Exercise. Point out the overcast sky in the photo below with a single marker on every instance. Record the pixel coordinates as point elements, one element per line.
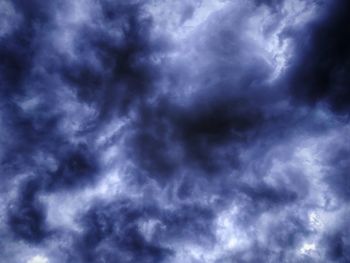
<point>193,131</point>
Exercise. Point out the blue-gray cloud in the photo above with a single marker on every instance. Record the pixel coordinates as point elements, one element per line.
<point>216,132</point>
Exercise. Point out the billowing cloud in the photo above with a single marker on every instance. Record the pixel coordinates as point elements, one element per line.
<point>161,131</point>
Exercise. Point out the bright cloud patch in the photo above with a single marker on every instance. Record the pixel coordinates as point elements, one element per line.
<point>38,259</point>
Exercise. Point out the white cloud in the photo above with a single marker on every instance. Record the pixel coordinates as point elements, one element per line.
<point>38,259</point>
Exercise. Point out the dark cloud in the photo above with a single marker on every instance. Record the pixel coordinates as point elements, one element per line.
<point>114,71</point>
<point>18,49</point>
<point>77,167</point>
<point>26,217</point>
<point>274,4</point>
<point>112,231</point>
<point>205,130</point>
<point>171,137</point>
<point>319,69</point>
<point>133,134</point>
<point>336,243</point>
<point>337,175</point>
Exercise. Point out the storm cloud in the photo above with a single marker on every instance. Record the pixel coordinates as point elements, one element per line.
<point>174,131</point>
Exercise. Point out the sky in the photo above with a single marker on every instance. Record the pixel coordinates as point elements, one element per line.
<point>187,131</point>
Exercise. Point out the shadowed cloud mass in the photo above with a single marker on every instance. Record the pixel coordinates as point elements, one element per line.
<point>196,131</point>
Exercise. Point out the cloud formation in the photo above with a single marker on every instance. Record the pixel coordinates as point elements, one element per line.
<point>154,131</point>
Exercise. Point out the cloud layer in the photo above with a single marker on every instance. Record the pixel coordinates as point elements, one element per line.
<point>161,131</point>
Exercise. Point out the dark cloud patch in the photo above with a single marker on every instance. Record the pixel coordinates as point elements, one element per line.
<point>18,50</point>
<point>170,137</point>
<point>150,142</point>
<point>337,243</point>
<point>117,69</point>
<point>208,128</point>
<point>26,217</point>
<point>28,135</point>
<point>114,232</point>
<point>34,11</point>
<point>268,2</point>
<point>76,168</point>
<point>36,143</point>
<point>268,196</point>
<point>336,249</point>
<point>338,174</point>
<point>126,231</point>
<point>319,70</point>
<point>28,129</point>
<point>188,222</point>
